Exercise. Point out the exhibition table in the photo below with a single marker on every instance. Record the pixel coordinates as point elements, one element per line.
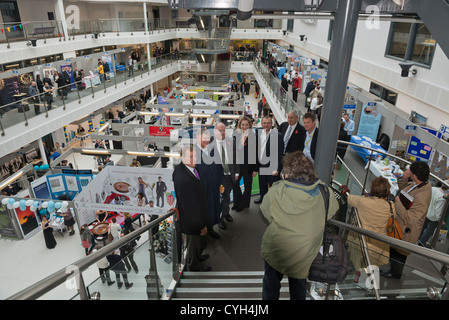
<point>57,223</point>
<point>91,80</point>
<point>369,143</point>
<point>379,169</point>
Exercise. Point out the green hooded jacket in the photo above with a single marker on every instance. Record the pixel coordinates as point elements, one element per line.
<point>296,214</point>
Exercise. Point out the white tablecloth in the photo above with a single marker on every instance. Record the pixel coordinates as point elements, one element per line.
<point>379,169</point>
<point>91,80</point>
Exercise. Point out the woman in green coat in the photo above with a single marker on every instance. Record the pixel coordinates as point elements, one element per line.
<point>294,208</point>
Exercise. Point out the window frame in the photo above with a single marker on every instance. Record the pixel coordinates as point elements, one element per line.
<point>410,46</point>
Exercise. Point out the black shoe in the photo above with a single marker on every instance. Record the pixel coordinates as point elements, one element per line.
<point>229,218</point>
<point>234,208</point>
<point>110,283</point>
<point>239,209</point>
<point>119,284</point>
<point>257,201</point>
<point>128,285</point>
<point>205,268</point>
<point>204,257</point>
<point>222,225</point>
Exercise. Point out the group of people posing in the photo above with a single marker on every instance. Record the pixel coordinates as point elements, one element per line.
<point>218,161</point>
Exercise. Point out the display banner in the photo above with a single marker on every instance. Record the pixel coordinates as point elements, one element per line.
<point>7,230</point>
<point>125,184</point>
<point>160,131</point>
<point>369,121</point>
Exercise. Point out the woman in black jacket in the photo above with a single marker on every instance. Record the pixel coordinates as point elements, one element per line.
<point>245,145</point>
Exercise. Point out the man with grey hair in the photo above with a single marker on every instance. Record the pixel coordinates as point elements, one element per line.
<point>293,133</point>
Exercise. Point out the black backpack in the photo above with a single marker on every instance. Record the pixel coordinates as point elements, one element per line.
<point>330,267</point>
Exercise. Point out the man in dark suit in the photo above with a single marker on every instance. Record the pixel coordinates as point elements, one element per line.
<point>161,187</point>
<point>210,178</point>
<point>310,86</point>
<point>292,133</point>
<point>270,148</point>
<point>311,136</point>
<point>222,155</point>
<point>192,205</point>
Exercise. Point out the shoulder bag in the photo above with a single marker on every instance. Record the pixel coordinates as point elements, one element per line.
<point>331,264</point>
<point>394,230</point>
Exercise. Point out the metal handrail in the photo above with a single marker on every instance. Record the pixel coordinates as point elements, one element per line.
<point>47,284</point>
<point>401,244</point>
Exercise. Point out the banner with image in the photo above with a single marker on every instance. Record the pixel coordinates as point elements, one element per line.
<point>126,184</point>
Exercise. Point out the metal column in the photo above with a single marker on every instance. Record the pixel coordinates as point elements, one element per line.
<point>345,26</point>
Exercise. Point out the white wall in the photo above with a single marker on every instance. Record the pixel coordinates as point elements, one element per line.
<point>426,93</point>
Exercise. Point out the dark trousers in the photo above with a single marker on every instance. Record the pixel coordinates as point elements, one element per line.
<point>265,182</point>
<point>272,285</point>
<point>242,200</point>
<point>295,94</point>
<point>159,196</point>
<point>226,200</point>
<point>129,261</point>
<point>397,262</point>
<point>124,276</point>
<point>195,246</point>
<point>104,275</point>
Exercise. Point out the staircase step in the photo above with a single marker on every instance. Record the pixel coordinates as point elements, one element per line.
<point>224,285</point>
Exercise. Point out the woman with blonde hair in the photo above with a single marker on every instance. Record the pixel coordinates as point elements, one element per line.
<point>245,159</point>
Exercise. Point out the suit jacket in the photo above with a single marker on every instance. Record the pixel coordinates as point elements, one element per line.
<point>161,187</point>
<point>246,154</point>
<point>296,141</point>
<point>267,156</point>
<point>211,176</point>
<point>190,201</point>
<point>313,143</point>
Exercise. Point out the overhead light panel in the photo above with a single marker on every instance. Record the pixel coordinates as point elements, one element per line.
<point>95,151</point>
<point>142,154</point>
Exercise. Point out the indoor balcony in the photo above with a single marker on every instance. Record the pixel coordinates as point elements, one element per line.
<point>38,38</point>
<point>20,125</point>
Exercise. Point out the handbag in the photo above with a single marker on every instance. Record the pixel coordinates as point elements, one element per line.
<point>394,230</point>
<point>331,263</point>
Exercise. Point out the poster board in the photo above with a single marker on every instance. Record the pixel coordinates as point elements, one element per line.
<point>126,183</point>
<point>419,151</point>
<point>369,121</point>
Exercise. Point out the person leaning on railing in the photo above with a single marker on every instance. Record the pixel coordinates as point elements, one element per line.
<point>374,211</point>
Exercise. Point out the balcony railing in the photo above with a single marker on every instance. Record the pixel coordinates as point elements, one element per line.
<point>24,107</point>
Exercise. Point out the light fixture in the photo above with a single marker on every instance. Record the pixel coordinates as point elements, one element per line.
<point>202,56</point>
<point>148,113</point>
<point>228,116</point>
<point>11,179</point>
<point>172,154</point>
<point>177,79</point>
<point>200,115</point>
<point>152,100</point>
<point>222,93</point>
<point>141,153</point>
<point>189,92</point>
<point>303,37</point>
<point>405,69</point>
<point>95,151</point>
<point>174,114</point>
